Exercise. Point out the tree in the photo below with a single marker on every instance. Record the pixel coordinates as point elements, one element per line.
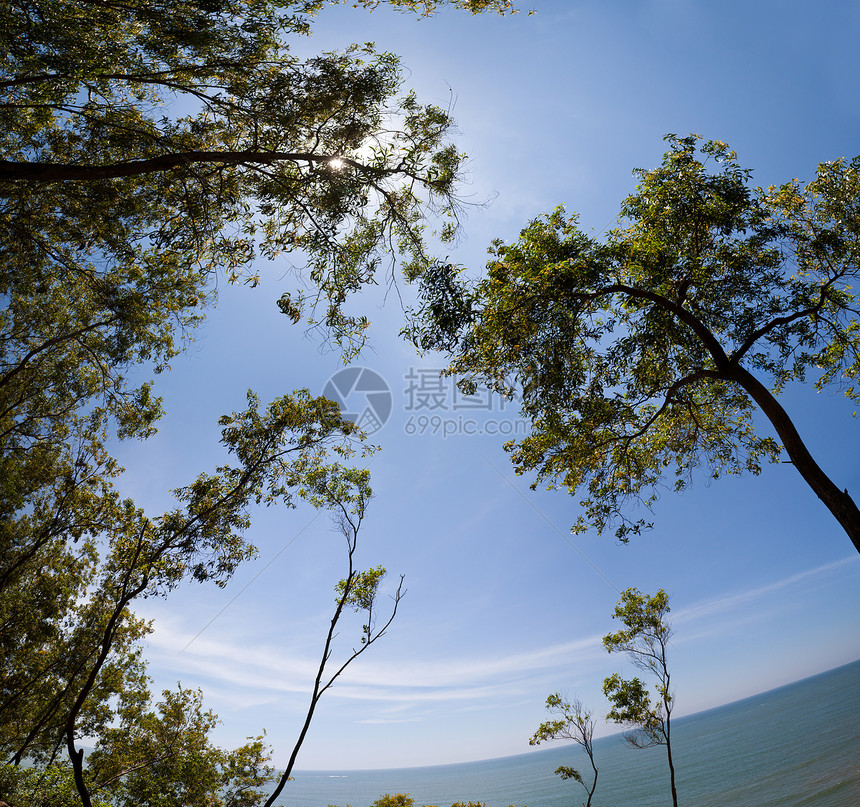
<point>147,756</point>
<point>575,723</point>
<point>153,754</point>
<point>347,493</point>
<point>396,800</point>
<point>405,800</point>
<point>149,148</point>
<point>178,137</point>
<point>74,669</point>
<point>645,639</point>
<point>644,355</point>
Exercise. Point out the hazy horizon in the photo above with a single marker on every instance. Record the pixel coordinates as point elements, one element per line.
<point>568,744</point>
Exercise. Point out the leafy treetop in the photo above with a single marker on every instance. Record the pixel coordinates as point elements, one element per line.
<point>646,354</point>
<point>180,137</point>
<point>645,639</point>
<point>573,722</point>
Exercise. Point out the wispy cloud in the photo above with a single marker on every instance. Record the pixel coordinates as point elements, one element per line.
<point>266,668</point>
<point>265,672</point>
<point>742,600</point>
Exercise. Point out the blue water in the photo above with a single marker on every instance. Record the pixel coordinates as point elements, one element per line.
<point>797,746</point>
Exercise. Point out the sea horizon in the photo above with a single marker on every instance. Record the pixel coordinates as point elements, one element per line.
<point>742,751</point>
<point>617,734</point>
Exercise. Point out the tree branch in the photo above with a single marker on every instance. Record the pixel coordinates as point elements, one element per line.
<point>787,319</point>
<point>64,172</point>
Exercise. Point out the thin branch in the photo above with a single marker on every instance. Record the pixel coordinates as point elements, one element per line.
<point>787,319</point>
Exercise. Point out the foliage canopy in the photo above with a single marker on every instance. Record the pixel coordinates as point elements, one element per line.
<point>173,139</point>
<point>646,354</point>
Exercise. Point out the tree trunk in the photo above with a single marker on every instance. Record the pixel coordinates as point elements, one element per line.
<point>840,504</point>
<point>590,792</point>
<point>671,771</point>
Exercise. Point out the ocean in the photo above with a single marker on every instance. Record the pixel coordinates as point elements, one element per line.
<point>796,746</point>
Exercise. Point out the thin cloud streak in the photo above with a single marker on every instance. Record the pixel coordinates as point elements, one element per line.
<point>720,605</point>
<point>270,669</point>
<point>449,679</point>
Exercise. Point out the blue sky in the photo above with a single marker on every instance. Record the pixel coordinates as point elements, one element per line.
<point>504,605</point>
